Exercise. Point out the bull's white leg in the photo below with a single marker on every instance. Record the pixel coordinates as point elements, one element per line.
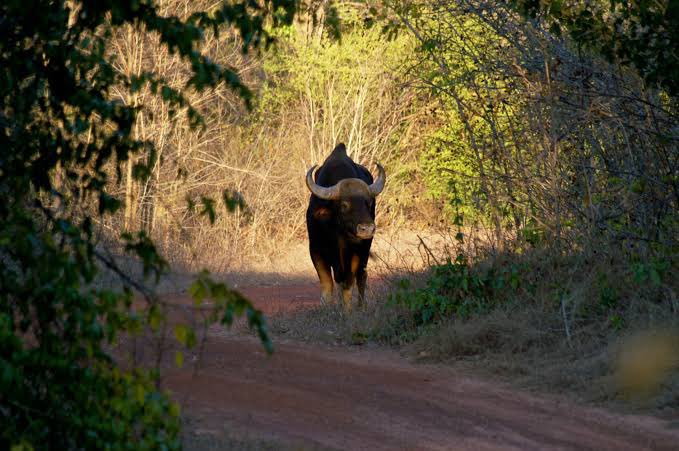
<point>326,293</point>
<point>324,277</point>
<point>346,296</point>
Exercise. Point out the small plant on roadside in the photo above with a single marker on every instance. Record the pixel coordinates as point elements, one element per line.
<point>457,289</point>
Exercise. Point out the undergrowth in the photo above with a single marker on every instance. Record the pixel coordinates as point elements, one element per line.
<point>456,289</point>
<point>556,323</point>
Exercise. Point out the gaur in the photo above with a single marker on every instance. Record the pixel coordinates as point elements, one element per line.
<point>341,222</point>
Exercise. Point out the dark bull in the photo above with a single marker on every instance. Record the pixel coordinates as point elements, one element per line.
<point>341,222</point>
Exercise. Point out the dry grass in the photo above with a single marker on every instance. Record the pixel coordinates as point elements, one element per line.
<point>521,349</point>
<point>260,156</point>
<point>376,322</point>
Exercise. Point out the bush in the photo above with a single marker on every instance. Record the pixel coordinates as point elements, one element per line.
<point>62,136</point>
<point>457,289</point>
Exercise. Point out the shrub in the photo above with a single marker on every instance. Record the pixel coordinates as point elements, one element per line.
<point>60,386</point>
<point>457,289</point>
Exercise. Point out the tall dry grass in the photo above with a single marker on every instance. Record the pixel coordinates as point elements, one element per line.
<point>260,156</point>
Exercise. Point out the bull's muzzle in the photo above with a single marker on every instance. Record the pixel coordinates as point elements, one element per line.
<point>365,231</point>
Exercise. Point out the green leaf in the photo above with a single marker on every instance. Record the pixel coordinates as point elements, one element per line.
<point>68,138</point>
<point>139,393</point>
<point>233,200</point>
<point>198,292</point>
<point>181,333</point>
<point>208,209</point>
<point>175,409</point>
<point>154,318</point>
<point>23,446</point>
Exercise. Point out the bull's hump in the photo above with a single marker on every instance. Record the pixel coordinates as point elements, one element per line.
<point>339,151</point>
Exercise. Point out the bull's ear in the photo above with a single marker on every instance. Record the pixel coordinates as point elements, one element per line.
<point>322,213</point>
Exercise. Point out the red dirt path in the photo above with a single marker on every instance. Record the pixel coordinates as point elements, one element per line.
<point>372,399</point>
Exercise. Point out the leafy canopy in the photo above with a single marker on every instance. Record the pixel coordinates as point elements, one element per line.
<point>638,33</point>
<point>60,133</point>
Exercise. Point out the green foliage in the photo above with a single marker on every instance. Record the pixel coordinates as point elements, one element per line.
<point>529,147</point>
<point>474,109</point>
<point>653,271</point>
<point>308,66</point>
<point>524,163</point>
<point>458,289</point>
<point>60,387</point>
<point>449,170</point>
<point>608,293</point>
<point>340,89</point>
<point>228,304</point>
<point>641,34</point>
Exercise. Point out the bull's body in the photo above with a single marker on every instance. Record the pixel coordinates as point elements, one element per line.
<point>341,229</point>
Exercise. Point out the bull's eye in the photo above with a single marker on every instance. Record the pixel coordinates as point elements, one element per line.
<point>346,206</point>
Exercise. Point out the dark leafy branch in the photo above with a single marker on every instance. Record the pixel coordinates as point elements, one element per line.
<point>640,34</point>
<point>62,136</point>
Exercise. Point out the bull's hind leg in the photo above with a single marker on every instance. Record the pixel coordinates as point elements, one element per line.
<point>324,277</point>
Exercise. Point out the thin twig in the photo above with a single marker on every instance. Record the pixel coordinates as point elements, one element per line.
<point>565,321</point>
<point>428,250</point>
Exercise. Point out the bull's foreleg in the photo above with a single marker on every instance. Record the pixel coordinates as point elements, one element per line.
<point>354,274</point>
<point>324,277</point>
<point>347,285</point>
<point>361,282</point>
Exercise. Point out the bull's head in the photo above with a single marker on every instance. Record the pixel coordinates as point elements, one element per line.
<point>352,201</point>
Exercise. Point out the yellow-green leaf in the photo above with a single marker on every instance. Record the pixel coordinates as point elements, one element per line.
<point>197,291</point>
<point>174,409</point>
<point>181,333</point>
<point>23,446</point>
<point>139,393</point>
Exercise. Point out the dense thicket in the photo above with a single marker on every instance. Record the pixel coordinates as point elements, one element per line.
<point>547,147</point>
<point>70,117</point>
<point>554,135</point>
<point>633,33</point>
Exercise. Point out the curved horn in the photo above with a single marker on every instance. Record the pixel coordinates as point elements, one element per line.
<point>378,185</point>
<point>330,193</point>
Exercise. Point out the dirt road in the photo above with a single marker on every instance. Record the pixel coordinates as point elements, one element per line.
<point>373,399</point>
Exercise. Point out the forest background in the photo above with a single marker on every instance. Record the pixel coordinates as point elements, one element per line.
<point>535,147</point>
<point>532,137</point>
<point>538,141</point>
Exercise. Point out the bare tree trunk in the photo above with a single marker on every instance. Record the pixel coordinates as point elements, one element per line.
<point>129,196</point>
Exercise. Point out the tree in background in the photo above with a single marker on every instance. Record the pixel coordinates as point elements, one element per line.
<point>637,33</point>
<point>554,151</point>
<point>60,387</point>
<point>549,135</point>
<point>323,91</point>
